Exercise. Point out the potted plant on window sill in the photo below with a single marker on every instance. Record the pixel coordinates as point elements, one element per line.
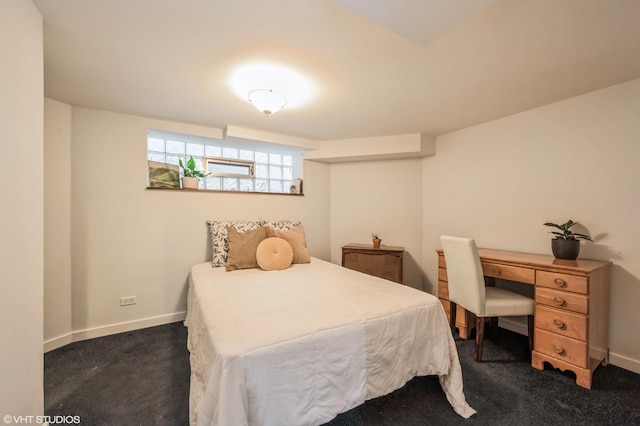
<point>191,176</point>
<point>566,244</point>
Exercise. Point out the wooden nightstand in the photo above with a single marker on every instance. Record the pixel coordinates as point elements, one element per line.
<point>384,262</point>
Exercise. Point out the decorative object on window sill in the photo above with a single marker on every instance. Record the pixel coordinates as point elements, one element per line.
<point>297,188</point>
<point>566,244</point>
<point>376,240</point>
<point>163,175</point>
<point>267,101</point>
<point>191,178</point>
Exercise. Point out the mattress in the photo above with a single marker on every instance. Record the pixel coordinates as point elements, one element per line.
<point>301,345</point>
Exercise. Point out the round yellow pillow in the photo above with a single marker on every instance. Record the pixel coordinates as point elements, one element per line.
<point>274,254</point>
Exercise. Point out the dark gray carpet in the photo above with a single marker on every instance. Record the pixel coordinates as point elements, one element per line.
<point>142,378</point>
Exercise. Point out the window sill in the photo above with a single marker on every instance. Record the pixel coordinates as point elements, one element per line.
<point>218,191</point>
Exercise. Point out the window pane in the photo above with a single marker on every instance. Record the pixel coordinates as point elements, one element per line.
<point>275,158</point>
<point>287,160</point>
<point>213,182</point>
<point>275,186</point>
<point>246,155</point>
<point>246,184</point>
<point>287,173</point>
<point>156,157</point>
<point>213,151</point>
<point>199,163</point>
<point>229,152</point>
<point>262,157</point>
<point>175,147</point>
<point>275,172</point>
<point>287,184</point>
<point>154,144</point>
<point>230,184</point>
<point>262,171</point>
<point>195,149</point>
<point>262,185</point>
<point>174,159</point>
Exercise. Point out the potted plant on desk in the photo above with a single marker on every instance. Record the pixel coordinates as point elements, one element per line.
<point>191,176</point>
<point>566,244</point>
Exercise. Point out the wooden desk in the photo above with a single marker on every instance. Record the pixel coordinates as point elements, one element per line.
<point>572,307</point>
<point>384,262</point>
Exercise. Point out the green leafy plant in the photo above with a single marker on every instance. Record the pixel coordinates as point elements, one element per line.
<point>375,236</point>
<point>565,232</point>
<point>190,169</point>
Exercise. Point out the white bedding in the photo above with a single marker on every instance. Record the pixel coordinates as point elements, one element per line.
<point>299,346</point>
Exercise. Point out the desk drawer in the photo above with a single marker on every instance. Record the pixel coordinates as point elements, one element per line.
<point>573,283</point>
<point>510,273</point>
<point>560,347</point>
<point>561,322</point>
<point>443,290</point>
<point>442,274</point>
<point>562,300</point>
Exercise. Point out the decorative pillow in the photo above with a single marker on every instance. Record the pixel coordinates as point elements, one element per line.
<point>283,225</point>
<point>295,237</point>
<point>274,254</point>
<point>220,240</point>
<point>242,248</point>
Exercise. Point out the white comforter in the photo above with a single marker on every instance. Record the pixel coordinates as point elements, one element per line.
<point>299,346</point>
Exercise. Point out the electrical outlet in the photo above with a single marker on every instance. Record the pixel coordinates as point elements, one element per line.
<point>129,300</point>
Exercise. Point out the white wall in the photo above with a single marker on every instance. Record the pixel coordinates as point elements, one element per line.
<point>576,159</point>
<point>21,220</point>
<point>57,222</point>
<point>129,241</point>
<point>382,197</point>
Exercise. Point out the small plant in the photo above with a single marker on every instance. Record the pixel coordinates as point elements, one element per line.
<point>190,169</point>
<point>375,236</point>
<point>566,233</point>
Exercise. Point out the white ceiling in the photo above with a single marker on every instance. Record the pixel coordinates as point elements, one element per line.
<point>379,67</point>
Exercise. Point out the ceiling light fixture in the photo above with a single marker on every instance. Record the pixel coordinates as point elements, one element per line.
<point>267,101</point>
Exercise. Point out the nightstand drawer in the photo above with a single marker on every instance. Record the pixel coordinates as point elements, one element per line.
<point>510,273</point>
<point>561,322</point>
<point>573,283</point>
<point>560,347</point>
<point>562,300</point>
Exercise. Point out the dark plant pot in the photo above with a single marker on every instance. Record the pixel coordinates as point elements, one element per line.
<point>565,249</point>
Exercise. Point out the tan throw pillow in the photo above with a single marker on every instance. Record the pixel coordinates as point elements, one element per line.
<point>295,237</point>
<point>274,254</point>
<point>242,248</point>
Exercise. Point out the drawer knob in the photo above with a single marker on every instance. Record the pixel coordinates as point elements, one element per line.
<point>496,271</point>
<point>558,349</point>
<point>558,323</point>
<point>560,282</point>
<point>559,301</point>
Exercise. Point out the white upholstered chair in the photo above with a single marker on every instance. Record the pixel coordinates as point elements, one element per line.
<point>467,289</point>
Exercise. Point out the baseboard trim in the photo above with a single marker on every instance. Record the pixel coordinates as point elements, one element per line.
<point>511,324</point>
<point>624,362</point>
<point>92,333</point>
<point>58,342</point>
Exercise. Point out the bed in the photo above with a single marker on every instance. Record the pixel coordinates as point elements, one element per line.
<point>300,345</point>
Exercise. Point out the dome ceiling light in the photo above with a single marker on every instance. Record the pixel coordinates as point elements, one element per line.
<point>267,100</point>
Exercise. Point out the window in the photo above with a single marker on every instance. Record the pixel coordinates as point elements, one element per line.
<point>233,164</point>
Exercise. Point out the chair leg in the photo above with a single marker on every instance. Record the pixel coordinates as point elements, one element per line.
<point>453,309</point>
<point>479,338</point>
<point>530,325</point>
